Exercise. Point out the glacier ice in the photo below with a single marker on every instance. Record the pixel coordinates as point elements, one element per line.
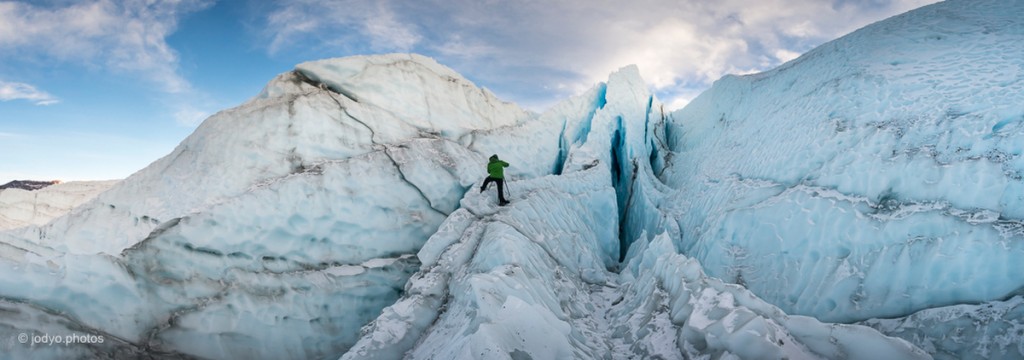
<point>335,215</point>
<point>505,282</point>
<point>292,125</point>
<point>187,258</point>
<point>991,330</point>
<point>222,273</point>
<point>875,176</point>
<point>493,279</point>
<point>885,184</point>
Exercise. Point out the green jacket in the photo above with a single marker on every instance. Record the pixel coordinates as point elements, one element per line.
<point>496,168</point>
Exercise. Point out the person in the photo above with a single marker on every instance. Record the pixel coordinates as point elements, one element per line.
<point>496,173</point>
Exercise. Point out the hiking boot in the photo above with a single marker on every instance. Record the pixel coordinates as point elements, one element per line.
<point>503,203</point>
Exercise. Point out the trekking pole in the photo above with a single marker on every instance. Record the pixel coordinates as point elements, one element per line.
<point>508,192</point>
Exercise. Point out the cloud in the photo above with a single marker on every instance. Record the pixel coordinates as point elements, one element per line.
<point>346,24</point>
<point>20,91</point>
<point>539,51</point>
<point>124,36</point>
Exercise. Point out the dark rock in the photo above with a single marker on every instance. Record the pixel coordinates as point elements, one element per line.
<point>29,185</point>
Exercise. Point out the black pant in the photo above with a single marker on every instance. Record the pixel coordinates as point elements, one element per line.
<point>501,187</point>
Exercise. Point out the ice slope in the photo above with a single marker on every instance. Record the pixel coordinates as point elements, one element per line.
<point>875,176</point>
<point>20,208</point>
<point>279,227</point>
<point>292,125</point>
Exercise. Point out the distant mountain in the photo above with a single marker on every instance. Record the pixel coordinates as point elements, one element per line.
<point>29,185</point>
<point>24,203</point>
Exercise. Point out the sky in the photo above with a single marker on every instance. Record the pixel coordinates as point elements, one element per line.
<point>98,89</point>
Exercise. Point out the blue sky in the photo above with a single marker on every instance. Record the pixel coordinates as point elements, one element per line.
<point>98,89</point>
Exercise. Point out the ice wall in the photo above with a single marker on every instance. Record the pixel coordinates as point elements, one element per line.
<point>875,176</point>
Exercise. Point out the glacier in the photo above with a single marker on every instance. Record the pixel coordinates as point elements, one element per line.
<point>877,176</point>
<point>20,208</point>
<point>861,202</point>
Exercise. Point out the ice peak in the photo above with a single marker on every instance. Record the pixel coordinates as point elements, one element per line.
<point>628,87</point>
<point>323,111</point>
<point>631,71</point>
<point>346,68</point>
